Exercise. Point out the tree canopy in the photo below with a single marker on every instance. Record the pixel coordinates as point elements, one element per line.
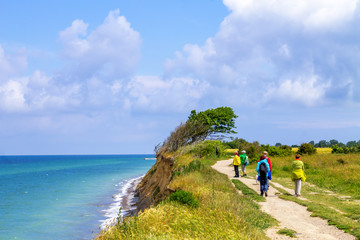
<point>199,126</point>
<point>212,122</point>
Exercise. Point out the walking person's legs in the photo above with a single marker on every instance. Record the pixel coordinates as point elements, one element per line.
<point>243,170</point>
<point>236,168</point>
<point>297,187</point>
<point>261,188</point>
<point>266,186</point>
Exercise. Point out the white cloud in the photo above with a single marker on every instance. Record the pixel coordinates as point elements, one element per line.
<point>38,92</point>
<point>307,89</point>
<point>311,14</point>
<point>100,62</point>
<point>111,50</point>
<point>152,93</point>
<point>272,45</point>
<point>12,96</point>
<point>74,46</point>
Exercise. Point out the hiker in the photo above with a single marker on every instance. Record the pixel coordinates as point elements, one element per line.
<point>236,163</point>
<point>244,162</point>
<point>263,168</point>
<point>265,153</point>
<point>298,174</point>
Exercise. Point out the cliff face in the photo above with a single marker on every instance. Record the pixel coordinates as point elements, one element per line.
<point>154,186</point>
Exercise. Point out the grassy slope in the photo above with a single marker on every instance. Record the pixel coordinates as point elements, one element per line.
<point>222,214</point>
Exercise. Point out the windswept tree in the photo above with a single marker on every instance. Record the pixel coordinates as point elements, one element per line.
<point>199,126</point>
<point>212,123</point>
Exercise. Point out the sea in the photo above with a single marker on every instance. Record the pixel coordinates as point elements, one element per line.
<point>66,197</point>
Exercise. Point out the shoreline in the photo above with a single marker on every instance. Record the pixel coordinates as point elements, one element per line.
<point>125,200</point>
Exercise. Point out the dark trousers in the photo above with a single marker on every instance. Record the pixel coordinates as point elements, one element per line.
<point>236,168</point>
<point>263,185</point>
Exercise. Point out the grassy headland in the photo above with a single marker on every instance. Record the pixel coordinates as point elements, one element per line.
<point>221,213</point>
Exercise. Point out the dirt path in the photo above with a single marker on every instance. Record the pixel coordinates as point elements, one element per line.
<point>290,214</point>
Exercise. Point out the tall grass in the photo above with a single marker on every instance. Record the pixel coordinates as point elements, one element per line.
<point>335,172</point>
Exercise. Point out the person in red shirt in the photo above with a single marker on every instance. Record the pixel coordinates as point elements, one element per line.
<point>265,153</point>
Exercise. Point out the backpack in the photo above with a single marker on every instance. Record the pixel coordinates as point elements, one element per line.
<point>246,160</point>
<point>263,171</point>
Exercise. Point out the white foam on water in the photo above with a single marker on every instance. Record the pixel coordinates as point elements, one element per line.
<point>127,191</point>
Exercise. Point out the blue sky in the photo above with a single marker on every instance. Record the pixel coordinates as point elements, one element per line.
<point>87,77</point>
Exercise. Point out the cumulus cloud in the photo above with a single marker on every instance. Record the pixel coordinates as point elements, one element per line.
<point>261,47</point>
<point>38,92</point>
<point>278,47</point>
<point>99,63</point>
<point>305,89</point>
<point>110,50</point>
<point>12,97</point>
<point>311,14</point>
<point>153,93</point>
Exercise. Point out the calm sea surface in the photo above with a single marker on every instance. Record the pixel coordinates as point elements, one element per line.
<point>62,197</point>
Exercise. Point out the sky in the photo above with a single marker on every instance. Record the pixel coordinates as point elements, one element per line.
<point>117,76</point>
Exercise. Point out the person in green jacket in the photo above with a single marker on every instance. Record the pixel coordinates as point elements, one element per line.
<point>298,174</point>
<point>244,162</point>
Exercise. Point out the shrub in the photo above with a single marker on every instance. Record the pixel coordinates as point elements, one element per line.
<point>281,151</point>
<point>185,198</point>
<point>306,148</point>
<point>337,149</point>
<point>237,143</point>
<point>345,149</point>
<point>209,148</point>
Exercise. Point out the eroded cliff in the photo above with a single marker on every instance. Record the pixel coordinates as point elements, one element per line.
<point>154,186</point>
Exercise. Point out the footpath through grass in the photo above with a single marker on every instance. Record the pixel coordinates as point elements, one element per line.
<point>332,187</point>
<point>222,213</point>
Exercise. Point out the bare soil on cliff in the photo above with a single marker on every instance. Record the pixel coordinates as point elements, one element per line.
<point>289,214</point>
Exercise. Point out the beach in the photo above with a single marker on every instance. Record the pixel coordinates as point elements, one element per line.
<point>124,200</point>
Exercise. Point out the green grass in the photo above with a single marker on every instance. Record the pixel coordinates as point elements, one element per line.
<point>288,232</point>
<point>248,191</point>
<point>335,172</point>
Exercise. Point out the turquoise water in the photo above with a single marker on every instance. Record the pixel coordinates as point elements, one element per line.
<point>62,197</point>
